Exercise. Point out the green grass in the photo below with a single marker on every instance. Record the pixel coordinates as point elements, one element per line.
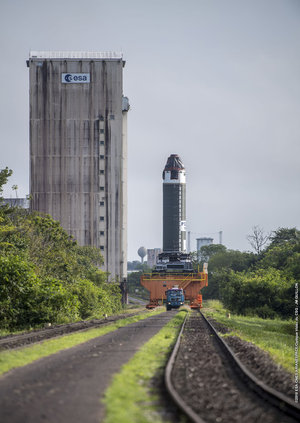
<point>126,310</point>
<point>20,357</point>
<point>4,332</point>
<point>130,398</point>
<point>276,336</point>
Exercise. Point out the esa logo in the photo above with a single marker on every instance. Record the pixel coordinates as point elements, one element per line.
<point>75,78</point>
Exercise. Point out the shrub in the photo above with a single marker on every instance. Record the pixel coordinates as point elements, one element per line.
<point>88,296</point>
<point>110,298</point>
<point>45,276</point>
<point>54,303</point>
<point>18,287</point>
<point>97,300</point>
<point>26,300</point>
<point>266,292</point>
<point>265,312</point>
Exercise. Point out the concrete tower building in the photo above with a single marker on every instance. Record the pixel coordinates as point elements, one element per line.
<point>152,256</point>
<point>174,206</point>
<point>78,148</point>
<point>201,242</point>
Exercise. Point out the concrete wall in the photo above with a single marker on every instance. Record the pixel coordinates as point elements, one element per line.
<point>152,255</point>
<point>77,153</point>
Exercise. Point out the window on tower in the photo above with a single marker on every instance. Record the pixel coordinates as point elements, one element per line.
<point>174,174</point>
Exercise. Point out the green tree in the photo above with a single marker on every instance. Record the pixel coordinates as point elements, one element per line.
<point>44,275</point>
<point>134,285</point>
<point>283,253</point>
<point>232,259</point>
<point>224,260</point>
<point>284,235</point>
<point>137,265</point>
<point>17,290</point>
<point>265,292</point>
<point>4,175</point>
<point>208,251</point>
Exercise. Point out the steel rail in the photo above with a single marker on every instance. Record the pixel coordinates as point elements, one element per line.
<point>277,399</point>
<point>39,335</point>
<point>169,385</point>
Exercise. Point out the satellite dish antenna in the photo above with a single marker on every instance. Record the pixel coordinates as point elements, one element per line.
<point>142,252</point>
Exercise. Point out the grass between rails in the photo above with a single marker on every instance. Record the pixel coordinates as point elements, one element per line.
<point>11,359</point>
<point>130,398</point>
<point>277,336</point>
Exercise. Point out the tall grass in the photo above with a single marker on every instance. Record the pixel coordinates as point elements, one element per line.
<point>275,336</point>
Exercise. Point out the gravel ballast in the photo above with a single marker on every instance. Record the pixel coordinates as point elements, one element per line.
<point>259,362</point>
<point>210,387</point>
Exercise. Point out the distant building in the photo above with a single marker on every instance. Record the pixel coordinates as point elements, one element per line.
<point>201,242</point>
<point>78,148</point>
<point>152,255</point>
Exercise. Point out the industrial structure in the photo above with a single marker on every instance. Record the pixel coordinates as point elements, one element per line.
<point>201,242</point>
<point>142,252</point>
<point>78,148</point>
<point>152,256</point>
<point>174,266</point>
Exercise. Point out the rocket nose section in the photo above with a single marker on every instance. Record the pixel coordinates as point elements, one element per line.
<point>174,170</point>
<point>174,162</point>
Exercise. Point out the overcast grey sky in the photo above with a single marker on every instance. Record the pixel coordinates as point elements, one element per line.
<point>215,81</point>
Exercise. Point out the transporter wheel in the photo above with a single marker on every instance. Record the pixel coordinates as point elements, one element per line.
<point>168,308</point>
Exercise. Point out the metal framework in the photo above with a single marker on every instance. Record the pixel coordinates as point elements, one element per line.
<point>158,283</point>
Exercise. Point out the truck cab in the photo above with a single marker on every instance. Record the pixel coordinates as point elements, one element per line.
<point>174,298</point>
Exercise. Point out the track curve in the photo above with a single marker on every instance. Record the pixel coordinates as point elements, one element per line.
<point>279,400</point>
<point>247,399</point>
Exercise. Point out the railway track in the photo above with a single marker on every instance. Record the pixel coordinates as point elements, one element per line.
<point>19,340</point>
<point>67,387</point>
<point>210,384</point>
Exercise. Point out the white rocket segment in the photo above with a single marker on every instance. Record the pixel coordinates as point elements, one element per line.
<point>179,180</point>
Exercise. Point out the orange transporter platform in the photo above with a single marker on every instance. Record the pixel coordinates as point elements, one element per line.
<point>158,283</point>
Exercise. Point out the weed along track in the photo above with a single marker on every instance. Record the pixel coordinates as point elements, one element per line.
<point>67,387</point>
<point>19,340</point>
<point>118,377</point>
<point>210,386</point>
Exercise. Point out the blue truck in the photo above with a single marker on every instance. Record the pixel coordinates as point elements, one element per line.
<point>174,298</point>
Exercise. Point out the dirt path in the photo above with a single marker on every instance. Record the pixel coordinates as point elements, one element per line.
<point>67,387</point>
